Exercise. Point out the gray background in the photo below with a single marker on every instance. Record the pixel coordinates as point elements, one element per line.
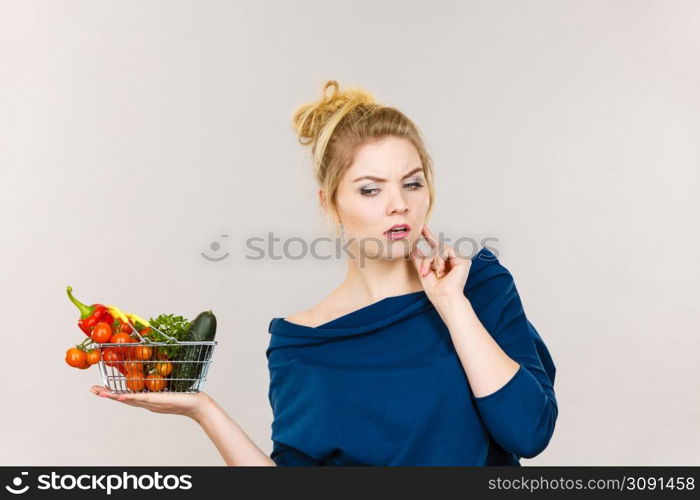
<point>134,134</point>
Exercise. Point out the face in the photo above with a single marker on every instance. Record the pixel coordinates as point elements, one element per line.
<point>383,187</point>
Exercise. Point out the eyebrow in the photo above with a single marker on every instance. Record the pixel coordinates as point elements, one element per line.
<point>379,179</point>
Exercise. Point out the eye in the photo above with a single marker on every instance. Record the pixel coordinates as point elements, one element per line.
<point>415,185</point>
<point>368,192</point>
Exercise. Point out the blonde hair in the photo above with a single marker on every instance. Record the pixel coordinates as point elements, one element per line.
<point>338,124</point>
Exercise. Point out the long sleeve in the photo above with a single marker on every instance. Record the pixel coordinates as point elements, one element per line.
<point>520,415</point>
<point>284,455</point>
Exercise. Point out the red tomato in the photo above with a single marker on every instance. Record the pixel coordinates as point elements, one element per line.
<point>75,357</point>
<point>93,356</point>
<point>111,357</point>
<point>102,333</point>
<point>121,338</point>
<point>135,381</point>
<point>124,327</point>
<point>133,366</point>
<point>164,368</point>
<point>155,382</point>
<point>143,352</point>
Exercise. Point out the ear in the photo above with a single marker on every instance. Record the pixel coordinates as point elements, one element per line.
<point>324,203</point>
<point>322,199</point>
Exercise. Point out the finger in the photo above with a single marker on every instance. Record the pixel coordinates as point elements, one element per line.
<point>449,259</point>
<point>130,403</point>
<point>422,261</point>
<point>431,237</point>
<point>429,277</point>
<point>417,253</point>
<point>439,266</point>
<point>123,398</point>
<point>428,235</point>
<point>417,258</point>
<point>99,390</point>
<point>133,397</point>
<point>456,259</point>
<point>425,267</point>
<point>434,251</point>
<point>435,262</point>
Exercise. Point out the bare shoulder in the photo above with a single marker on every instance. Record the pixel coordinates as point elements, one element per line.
<point>324,311</point>
<point>304,318</point>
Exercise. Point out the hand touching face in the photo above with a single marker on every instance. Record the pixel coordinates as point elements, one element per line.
<point>442,272</point>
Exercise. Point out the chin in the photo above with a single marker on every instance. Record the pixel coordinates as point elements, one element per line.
<point>399,251</point>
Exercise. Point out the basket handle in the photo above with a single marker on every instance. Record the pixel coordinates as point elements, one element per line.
<point>125,317</point>
<point>135,319</point>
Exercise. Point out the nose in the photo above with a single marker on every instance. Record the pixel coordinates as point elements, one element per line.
<point>397,203</point>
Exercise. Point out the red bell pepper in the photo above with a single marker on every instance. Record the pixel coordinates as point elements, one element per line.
<point>90,315</point>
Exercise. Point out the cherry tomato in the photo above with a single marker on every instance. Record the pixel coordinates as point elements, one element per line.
<point>146,331</point>
<point>164,368</point>
<point>93,356</point>
<point>85,365</point>
<point>135,381</point>
<point>121,338</point>
<point>75,357</point>
<point>142,352</point>
<point>155,382</point>
<point>133,366</point>
<point>102,332</point>
<point>112,358</point>
<point>125,327</point>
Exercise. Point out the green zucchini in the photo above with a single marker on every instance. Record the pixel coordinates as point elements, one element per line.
<point>202,328</point>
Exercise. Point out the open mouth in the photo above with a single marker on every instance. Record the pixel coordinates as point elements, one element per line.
<point>397,231</point>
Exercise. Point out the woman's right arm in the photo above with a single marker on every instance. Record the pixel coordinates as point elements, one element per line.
<point>233,444</point>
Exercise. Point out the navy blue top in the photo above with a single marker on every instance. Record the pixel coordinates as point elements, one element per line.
<point>383,385</point>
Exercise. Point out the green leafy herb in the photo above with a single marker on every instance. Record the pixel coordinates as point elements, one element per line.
<point>173,326</point>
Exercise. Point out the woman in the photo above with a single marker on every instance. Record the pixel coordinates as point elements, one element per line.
<point>414,359</point>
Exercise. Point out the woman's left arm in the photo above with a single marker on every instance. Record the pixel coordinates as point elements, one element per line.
<point>503,361</point>
<point>512,391</point>
<point>487,366</point>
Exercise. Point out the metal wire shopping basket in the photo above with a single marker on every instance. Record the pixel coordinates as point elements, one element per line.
<point>149,366</point>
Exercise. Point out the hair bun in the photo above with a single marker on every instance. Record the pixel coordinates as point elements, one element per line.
<point>310,119</point>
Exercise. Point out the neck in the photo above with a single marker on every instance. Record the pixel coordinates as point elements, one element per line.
<point>377,279</point>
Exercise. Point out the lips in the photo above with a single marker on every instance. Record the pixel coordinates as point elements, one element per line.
<point>397,231</point>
